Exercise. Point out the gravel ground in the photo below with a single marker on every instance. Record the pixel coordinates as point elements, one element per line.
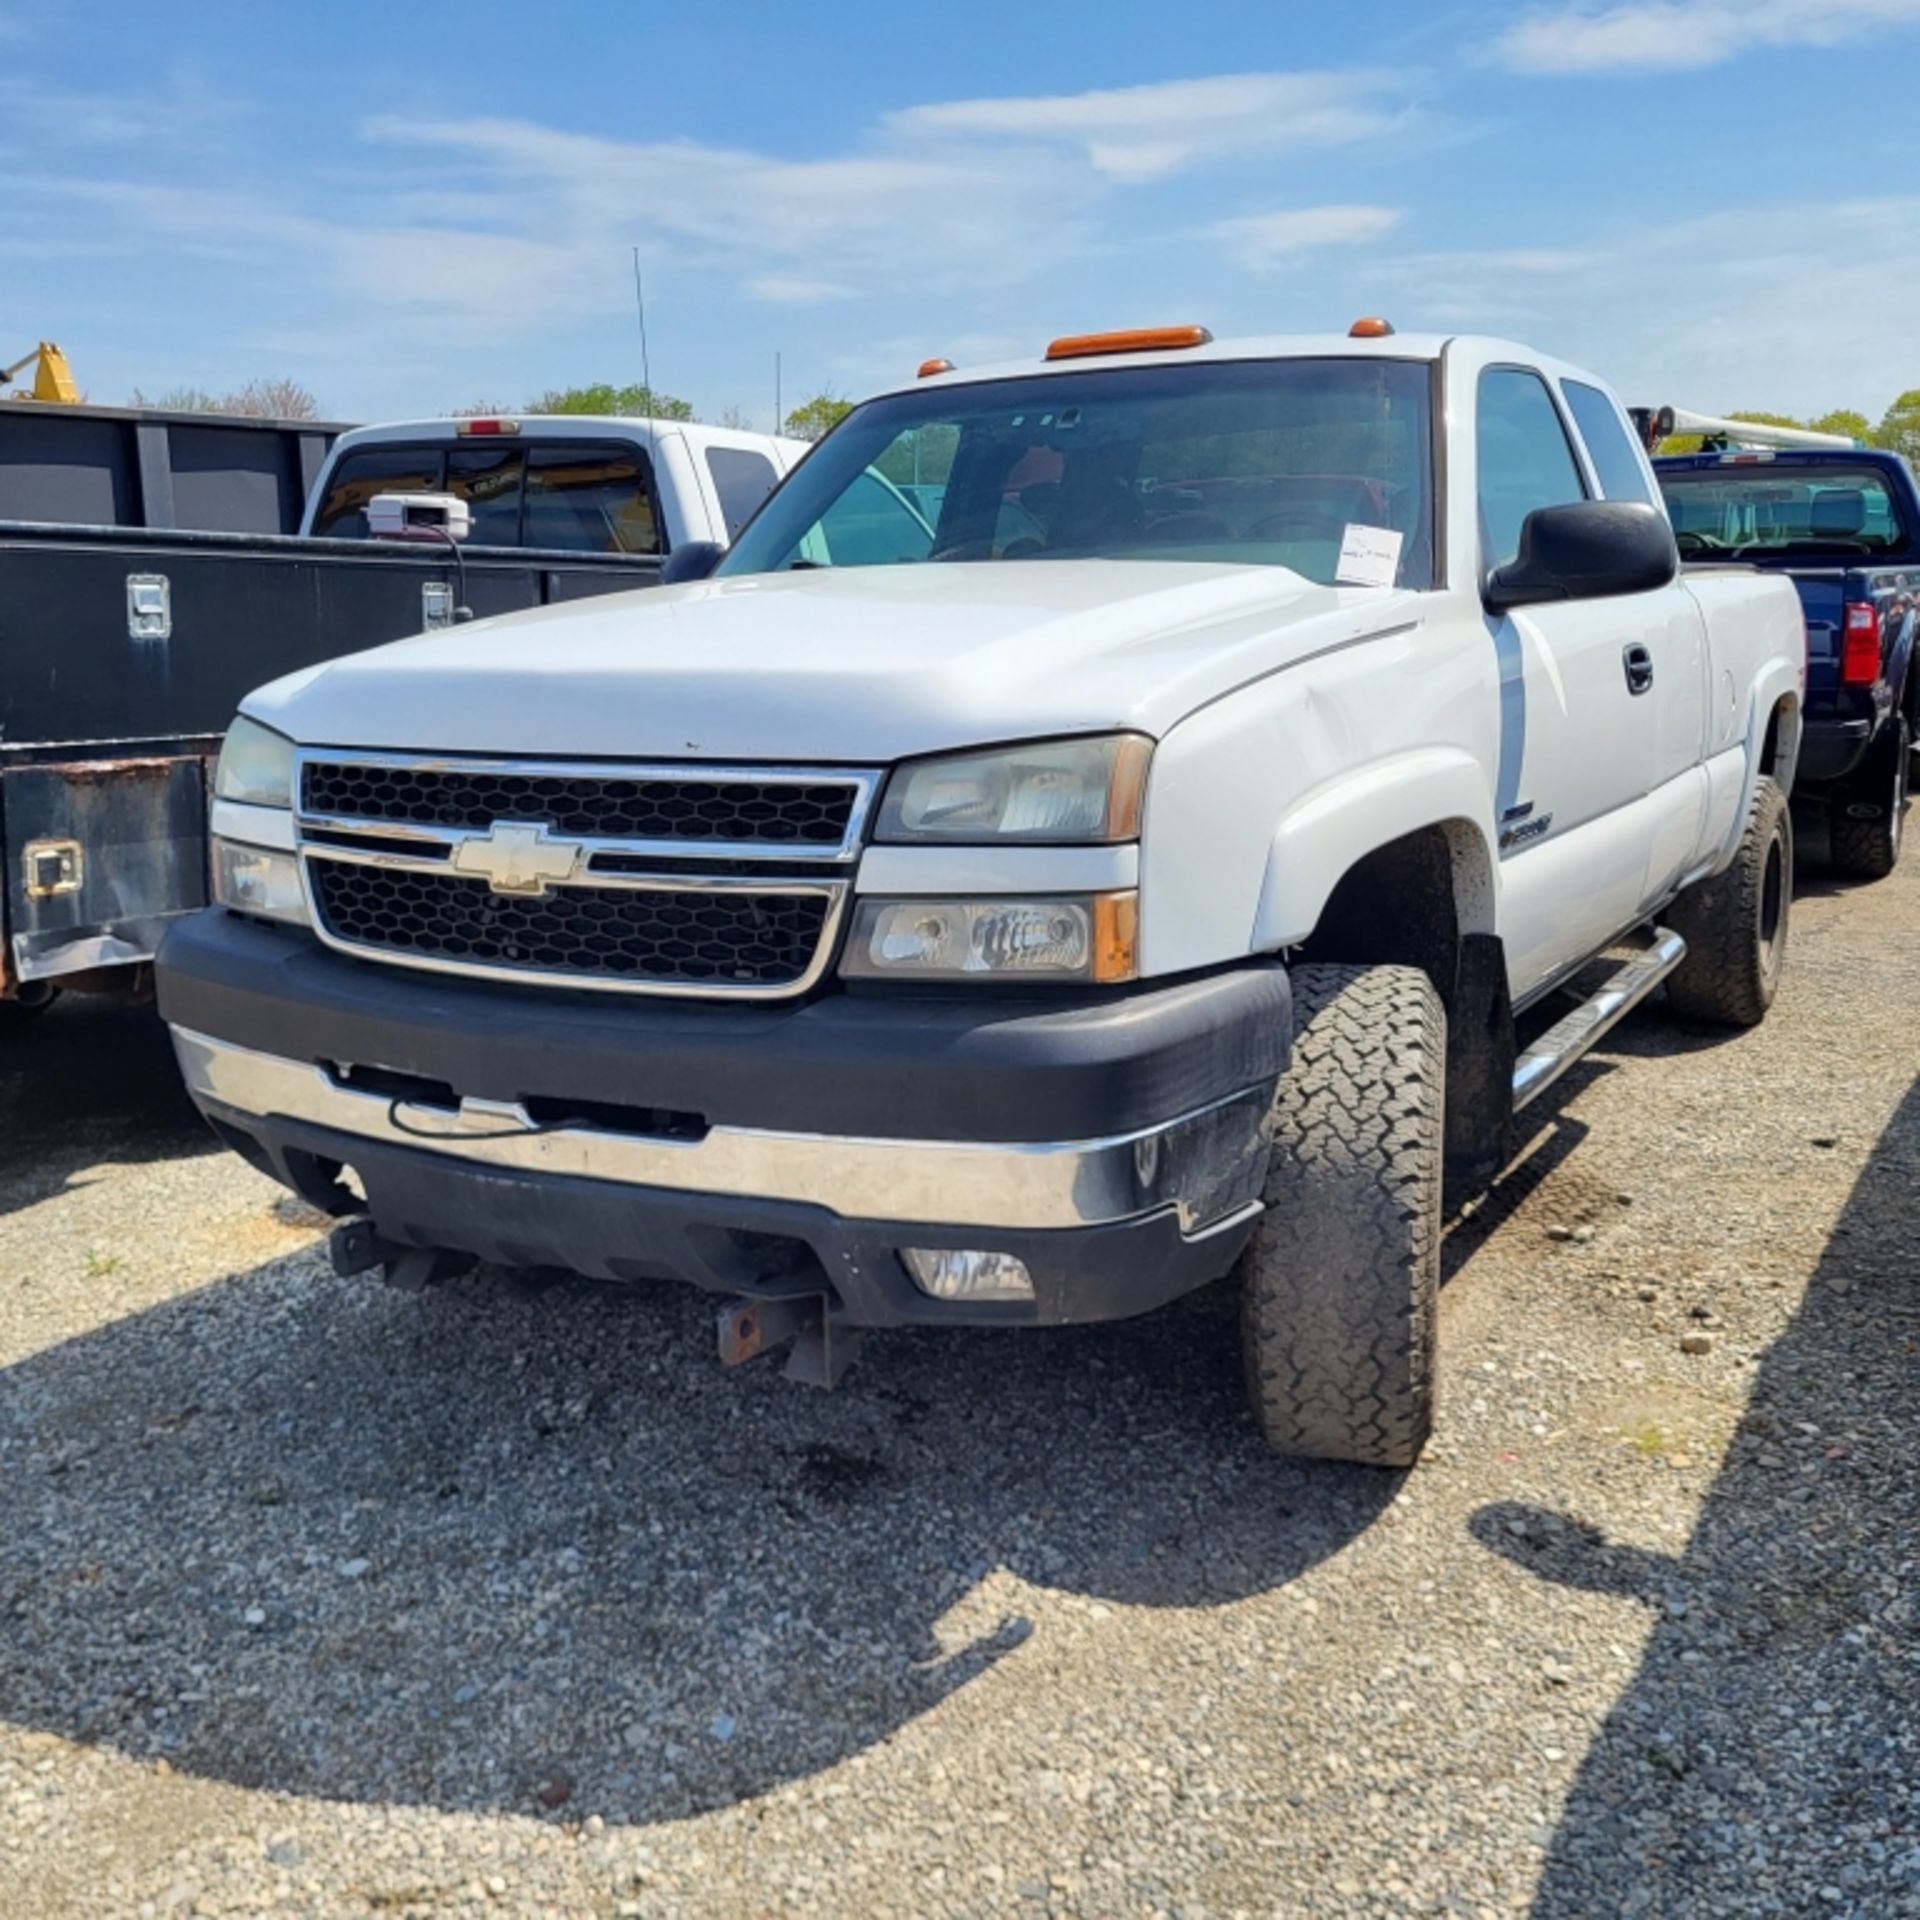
<point>319,1599</point>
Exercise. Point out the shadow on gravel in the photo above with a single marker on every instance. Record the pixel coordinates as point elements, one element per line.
<point>486,1551</point>
<point>1766,1759</point>
<point>87,1081</point>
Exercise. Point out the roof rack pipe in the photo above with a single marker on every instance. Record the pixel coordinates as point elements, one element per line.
<point>1746,433</point>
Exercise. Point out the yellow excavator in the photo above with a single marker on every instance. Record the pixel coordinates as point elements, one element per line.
<point>54,378</point>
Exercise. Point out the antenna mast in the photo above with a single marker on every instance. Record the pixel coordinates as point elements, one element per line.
<point>640,304</point>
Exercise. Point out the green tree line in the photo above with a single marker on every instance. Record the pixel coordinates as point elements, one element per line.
<point>288,400</point>
<point>808,421</point>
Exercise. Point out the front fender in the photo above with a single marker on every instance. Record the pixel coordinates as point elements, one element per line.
<point>1338,824</point>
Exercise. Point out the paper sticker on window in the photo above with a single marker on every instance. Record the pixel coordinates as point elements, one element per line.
<point>1369,557</point>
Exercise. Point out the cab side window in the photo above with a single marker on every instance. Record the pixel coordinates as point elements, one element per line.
<point>1525,459</point>
<point>742,479</point>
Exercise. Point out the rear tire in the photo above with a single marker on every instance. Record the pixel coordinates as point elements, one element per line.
<point>1340,1279</point>
<point>1736,924</point>
<point>1867,845</point>
<point>16,1014</point>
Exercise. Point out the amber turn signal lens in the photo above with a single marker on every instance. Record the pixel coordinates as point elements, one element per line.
<point>1116,936</point>
<point>1079,346</point>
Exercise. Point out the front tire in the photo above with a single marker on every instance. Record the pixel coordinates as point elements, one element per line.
<point>1866,844</point>
<point>1736,924</point>
<point>1340,1280</point>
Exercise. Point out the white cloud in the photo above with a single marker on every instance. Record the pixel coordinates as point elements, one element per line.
<point>1684,34</point>
<point>1143,133</point>
<point>782,291</point>
<point>1498,260</point>
<point>1262,241</point>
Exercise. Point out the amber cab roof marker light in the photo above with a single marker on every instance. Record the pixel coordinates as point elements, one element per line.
<point>928,368</point>
<point>1370,327</point>
<point>1081,346</point>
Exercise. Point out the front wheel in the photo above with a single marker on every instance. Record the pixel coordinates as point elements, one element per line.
<point>1735,925</point>
<point>1868,816</point>
<point>1340,1279</point>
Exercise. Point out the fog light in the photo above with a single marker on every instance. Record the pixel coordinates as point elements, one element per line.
<point>258,880</point>
<point>949,1274</point>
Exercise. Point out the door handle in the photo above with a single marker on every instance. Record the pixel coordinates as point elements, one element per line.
<point>1639,665</point>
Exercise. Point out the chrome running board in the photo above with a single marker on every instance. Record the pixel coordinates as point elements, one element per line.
<point>1592,1020</point>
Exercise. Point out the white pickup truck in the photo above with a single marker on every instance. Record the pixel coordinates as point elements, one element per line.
<point>1102,826</point>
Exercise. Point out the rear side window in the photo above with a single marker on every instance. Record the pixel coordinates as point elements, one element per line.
<point>1614,459</point>
<point>1525,459</point>
<point>591,500</point>
<point>359,476</point>
<point>742,480</point>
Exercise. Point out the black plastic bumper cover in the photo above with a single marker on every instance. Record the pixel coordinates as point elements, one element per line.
<point>989,1066</point>
<point>1830,749</point>
<point>989,1069</point>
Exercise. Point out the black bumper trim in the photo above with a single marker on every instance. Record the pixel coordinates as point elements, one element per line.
<point>989,1067</point>
<point>1830,750</point>
<point>730,1244</point>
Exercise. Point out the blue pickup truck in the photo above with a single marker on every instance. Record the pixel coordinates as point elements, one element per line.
<point>1844,525</point>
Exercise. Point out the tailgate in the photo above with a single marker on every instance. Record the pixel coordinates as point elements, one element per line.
<point>1823,599</point>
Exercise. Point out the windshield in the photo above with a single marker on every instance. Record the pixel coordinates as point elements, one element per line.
<point>1759,509</point>
<point>1277,463</point>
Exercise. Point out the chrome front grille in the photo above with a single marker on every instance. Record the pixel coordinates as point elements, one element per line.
<point>723,881</point>
<point>680,806</point>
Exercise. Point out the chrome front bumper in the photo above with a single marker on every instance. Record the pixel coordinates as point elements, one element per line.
<point>1205,1167</point>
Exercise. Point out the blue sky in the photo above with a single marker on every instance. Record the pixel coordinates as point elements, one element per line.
<point>413,208</point>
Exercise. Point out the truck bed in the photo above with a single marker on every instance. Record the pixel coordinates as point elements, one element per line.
<point>126,655</point>
<point>239,609</point>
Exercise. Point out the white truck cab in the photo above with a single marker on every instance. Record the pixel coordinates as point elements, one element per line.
<point>559,482</point>
<point>1099,827</point>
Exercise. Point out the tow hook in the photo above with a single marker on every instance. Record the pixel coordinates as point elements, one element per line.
<point>823,1347</point>
<point>354,1247</point>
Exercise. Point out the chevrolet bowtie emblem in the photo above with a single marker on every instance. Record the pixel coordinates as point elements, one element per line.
<point>512,858</point>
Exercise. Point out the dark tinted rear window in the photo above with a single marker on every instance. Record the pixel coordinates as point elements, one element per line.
<point>742,480</point>
<point>590,498</point>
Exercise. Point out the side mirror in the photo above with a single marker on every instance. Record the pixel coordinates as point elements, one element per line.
<point>693,560</point>
<point>1589,550</point>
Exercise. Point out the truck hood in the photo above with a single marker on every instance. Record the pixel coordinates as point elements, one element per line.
<point>857,666</point>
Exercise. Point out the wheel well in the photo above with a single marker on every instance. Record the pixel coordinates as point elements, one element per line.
<point>1409,903</point>
<point>1781,746</point>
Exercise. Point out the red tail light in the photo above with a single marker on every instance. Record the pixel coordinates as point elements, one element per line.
<point>1860,645</point>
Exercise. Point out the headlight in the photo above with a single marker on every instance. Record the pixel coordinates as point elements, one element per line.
<point>256,765</point>
<point>258,880</point>
<point>1050,791</point>
<point>1092,938</point>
